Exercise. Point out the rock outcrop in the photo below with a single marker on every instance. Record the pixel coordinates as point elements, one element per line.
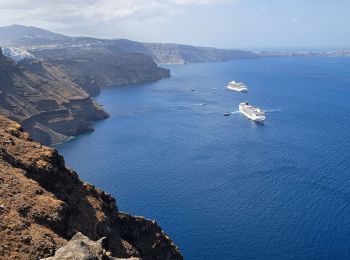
<point>45,101</point>
<point>82,248</point>
<point>44,204</point>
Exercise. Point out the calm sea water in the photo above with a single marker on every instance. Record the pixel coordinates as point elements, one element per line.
<point>225,187</point>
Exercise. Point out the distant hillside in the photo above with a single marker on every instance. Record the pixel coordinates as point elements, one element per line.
<point>331,53</point>
<point>17,35</point>
<point>17,31</point>
<point>36,38</point>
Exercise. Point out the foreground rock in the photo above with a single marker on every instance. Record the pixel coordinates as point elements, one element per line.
<point>81,247</point>
<point>44,204</point>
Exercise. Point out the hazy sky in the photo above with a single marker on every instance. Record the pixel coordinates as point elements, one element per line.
<point>218,23</point>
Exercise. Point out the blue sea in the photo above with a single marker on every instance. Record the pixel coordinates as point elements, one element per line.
<point>225,187</point>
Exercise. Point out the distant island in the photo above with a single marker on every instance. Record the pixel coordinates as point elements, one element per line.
<point>331,53</point>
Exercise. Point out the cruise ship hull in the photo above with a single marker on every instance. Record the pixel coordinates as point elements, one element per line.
<point>257,119</point>
<point>243,90</point>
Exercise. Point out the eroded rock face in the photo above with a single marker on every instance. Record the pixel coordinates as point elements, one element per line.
<point>44,204</point>
<point>45,101</point>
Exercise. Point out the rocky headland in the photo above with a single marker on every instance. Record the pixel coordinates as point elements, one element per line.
<point>43,98</point>
<point>46,211</point>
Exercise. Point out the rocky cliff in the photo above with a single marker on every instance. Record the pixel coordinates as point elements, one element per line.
<point>45,100</point>
<point>96,67</point>
<point>44,204</point>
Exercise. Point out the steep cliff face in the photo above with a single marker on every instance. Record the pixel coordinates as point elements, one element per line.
<point>183,54</point>
<point>43,98</point>
<point>93,68</point>
<point>44,204</point>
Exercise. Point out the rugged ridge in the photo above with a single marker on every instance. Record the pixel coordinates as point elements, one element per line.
<point>42,97</point>
<point>44,204</point>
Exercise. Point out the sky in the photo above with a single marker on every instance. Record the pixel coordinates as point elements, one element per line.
<point>244,24</point>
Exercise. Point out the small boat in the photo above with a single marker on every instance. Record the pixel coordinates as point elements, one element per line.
<point>227,114</point>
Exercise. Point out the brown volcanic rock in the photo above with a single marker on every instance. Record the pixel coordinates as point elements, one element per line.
<point>81,247</point>
<point>43,204</point>
<point>45,101</point>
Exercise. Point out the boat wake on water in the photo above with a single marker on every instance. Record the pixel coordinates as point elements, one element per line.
<point>273,110</point>
<point>235,112</point>
<point>188,105</point>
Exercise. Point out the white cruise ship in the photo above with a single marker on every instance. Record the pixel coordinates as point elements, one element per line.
<point>253,113</point>
<point>237,86</point>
